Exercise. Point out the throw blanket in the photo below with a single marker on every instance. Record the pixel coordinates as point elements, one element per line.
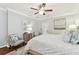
<point>72,37</point>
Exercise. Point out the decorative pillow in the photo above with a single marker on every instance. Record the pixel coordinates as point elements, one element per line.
<point>13,38</point>
<point>75,38</point>
<point>72,37</point>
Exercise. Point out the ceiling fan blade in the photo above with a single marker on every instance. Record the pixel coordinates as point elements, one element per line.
<point>49,10</point>
<point>33,8</point>
<point>39,6</point>
<point>36,13</point>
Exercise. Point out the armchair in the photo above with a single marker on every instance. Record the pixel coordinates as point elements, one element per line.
<point>14,40</point>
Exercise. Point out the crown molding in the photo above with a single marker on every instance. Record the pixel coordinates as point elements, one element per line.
<point>3,9</point>
<point>19,13</point>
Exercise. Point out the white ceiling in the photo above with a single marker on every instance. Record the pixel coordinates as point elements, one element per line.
<point>58,8</point>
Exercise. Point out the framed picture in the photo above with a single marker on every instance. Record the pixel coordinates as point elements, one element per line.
<point>60,24</point>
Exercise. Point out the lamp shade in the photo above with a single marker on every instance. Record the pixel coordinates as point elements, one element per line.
<point>29,28</point>
<point>73,27</point>
<point>41,12</point>
<point>29,25</point>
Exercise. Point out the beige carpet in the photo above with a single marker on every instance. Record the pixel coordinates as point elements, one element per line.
<point>19,51</point>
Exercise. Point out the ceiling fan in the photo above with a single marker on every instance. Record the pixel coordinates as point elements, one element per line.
<point>41,9</point>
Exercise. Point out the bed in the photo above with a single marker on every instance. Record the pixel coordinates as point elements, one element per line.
<point>51,44</point>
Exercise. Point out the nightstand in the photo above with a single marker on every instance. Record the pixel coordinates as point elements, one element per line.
<point>27,36</point>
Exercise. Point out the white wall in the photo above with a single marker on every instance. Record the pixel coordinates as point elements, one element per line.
<point>15,25</point>
<point>72,19</point>
<point>3,27</point>
<point>16,22</point>
<point>36,24</point>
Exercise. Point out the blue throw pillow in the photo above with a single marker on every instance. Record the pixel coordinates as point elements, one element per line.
<point>75,38</point>
<point>67,37</point>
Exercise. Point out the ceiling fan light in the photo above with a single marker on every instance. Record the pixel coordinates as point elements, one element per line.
<point>41,12</point>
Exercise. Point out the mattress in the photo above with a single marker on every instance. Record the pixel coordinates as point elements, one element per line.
<point>52,44</point>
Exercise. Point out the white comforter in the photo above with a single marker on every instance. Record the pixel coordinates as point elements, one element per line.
<point>52,44</point>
